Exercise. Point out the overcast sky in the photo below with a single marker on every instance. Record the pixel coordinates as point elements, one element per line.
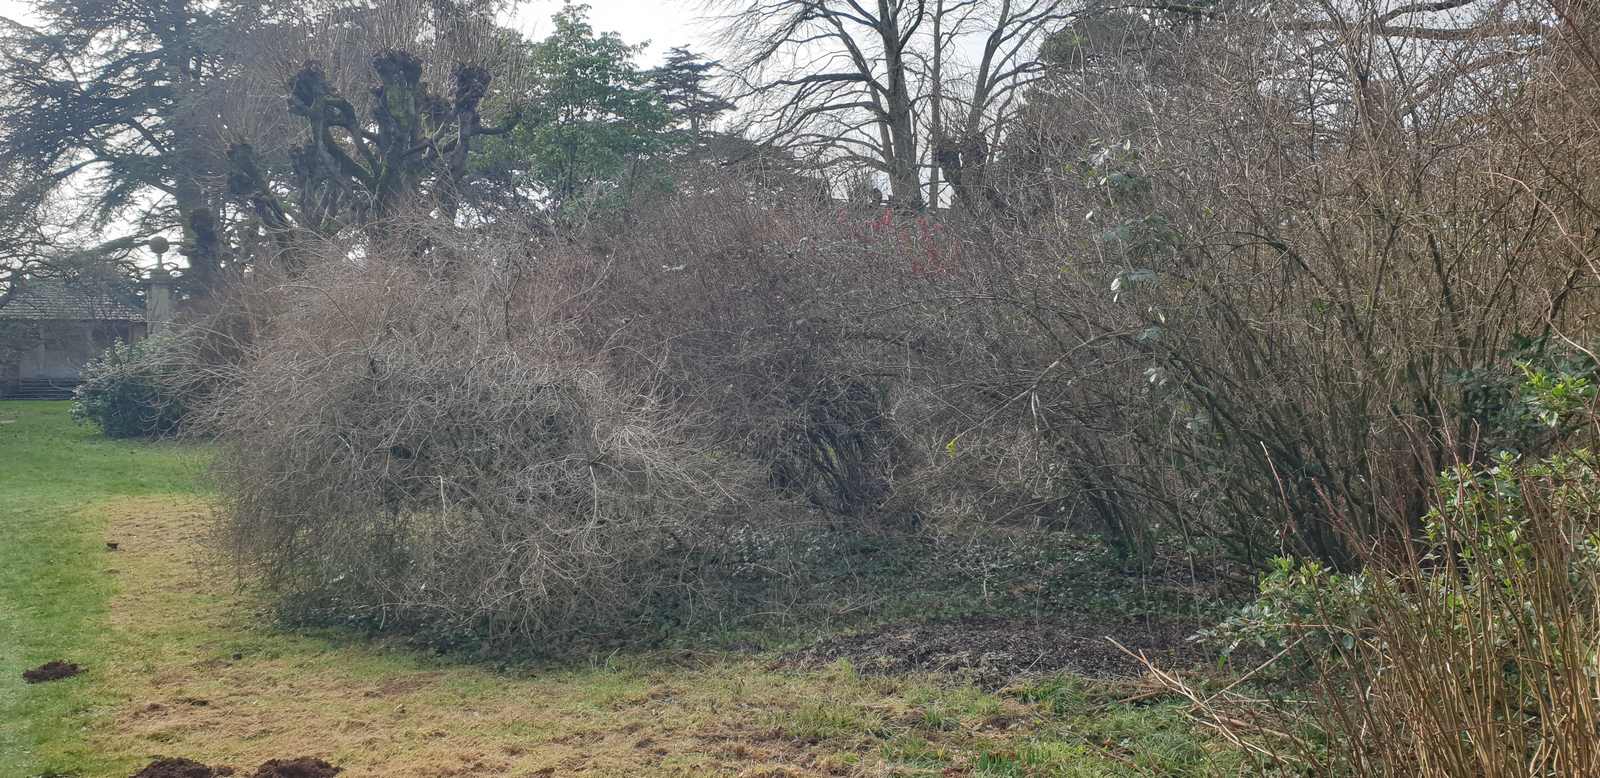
<point>664,23</point>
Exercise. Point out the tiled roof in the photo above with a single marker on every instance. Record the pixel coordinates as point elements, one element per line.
<point>55,299</point>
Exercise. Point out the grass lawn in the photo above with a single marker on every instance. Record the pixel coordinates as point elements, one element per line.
<point>181,661</point>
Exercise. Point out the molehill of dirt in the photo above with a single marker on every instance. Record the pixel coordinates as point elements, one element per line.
<point>53,670</point>
<point>181,768</point>
<point>992,651</point>
<point>303,767</point>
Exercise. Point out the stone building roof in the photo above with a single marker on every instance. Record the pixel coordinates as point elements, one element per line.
<point>53,299</point>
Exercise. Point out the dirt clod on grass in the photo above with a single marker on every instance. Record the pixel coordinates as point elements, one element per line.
<point>53,670</point>
<point>181,768</point>
<point>992,651</point>
<point>304,767</point>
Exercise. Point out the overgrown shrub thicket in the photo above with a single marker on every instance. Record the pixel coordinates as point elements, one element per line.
<point>1475,654</point>
<point>1198,309</point>
<point>427,441</point>
<point>751,312</point>
<point>1226,313</point>
<point>1468,652</point>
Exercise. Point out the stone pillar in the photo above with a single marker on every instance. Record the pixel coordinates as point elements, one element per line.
<point>158,301</point>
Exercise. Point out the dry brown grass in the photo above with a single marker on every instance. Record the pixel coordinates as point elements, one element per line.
<point>198,673</point>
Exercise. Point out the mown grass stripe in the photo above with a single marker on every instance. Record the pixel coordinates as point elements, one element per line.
<point>53,591</point>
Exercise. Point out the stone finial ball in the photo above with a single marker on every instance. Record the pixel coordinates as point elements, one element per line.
<point>159,245</point>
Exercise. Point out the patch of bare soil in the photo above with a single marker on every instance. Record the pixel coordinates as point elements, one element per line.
<point>53,670</point>
<point>304,767</point>
<point>993,651</point>
<point>181,768</point>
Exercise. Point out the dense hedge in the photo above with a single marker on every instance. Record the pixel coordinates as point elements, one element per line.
<point>132,391</point>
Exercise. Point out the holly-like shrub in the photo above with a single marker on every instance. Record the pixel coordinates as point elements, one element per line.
<point>131,390</point>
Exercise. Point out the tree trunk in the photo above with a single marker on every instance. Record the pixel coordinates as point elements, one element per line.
<point>936,130</point>
<point>904,182</point>
<point>189,198</point>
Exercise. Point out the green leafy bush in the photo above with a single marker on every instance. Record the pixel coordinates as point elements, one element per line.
<point>132,390</point>
<point>1520,401</point>
<point>1296,600</point>
<point>1472,648</point>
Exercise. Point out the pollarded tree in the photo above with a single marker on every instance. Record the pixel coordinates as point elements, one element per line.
<point>411,150</point>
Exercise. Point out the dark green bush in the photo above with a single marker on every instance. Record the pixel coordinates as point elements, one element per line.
<point>1469,649</point>
<point>131,391</point>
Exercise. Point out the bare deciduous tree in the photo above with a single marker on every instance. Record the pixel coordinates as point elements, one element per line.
<point>1012,35</point>
<point>867,85</point>
<point>834,77</point>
